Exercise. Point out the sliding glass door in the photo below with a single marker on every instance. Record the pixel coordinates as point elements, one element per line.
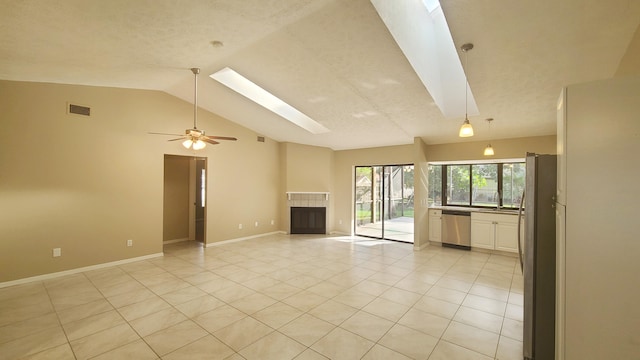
<point>384,202</point>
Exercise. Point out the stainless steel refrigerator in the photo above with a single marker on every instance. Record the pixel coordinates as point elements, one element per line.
<point>538,257</point>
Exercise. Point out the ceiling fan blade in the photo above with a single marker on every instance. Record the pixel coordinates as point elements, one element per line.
<point>221,137</point>
<point>180,138</point>
<point>209,141</point>
<point>155,133</point>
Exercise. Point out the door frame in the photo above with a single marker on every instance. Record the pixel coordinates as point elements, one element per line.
<point>382,195</point>
<point>192,193</point>
<point>193,198</point>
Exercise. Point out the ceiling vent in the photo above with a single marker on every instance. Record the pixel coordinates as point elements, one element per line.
<point>79,110</point>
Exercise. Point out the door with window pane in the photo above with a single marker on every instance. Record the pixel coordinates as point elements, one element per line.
<point>368,200</point>
<point>384,202</point>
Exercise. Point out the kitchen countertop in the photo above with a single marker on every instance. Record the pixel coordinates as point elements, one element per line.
<point>481,210</point>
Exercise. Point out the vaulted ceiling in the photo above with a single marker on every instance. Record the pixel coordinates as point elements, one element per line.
<point>334,60</point>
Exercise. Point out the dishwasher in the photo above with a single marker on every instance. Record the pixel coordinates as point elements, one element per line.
<point>456,229</point>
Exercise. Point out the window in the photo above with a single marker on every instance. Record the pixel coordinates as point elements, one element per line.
<point>513,181</point>
<point>477,185</point>
<point>485,184</point>
<point>458,192</point>
<point>435,185</point>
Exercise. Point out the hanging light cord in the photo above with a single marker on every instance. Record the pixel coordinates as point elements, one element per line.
<point>466,87</point>
<point>195,71</point>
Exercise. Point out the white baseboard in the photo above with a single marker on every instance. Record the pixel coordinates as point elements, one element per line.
<point>421,247</point>
<point>224,242</point>
<point>340,233</point>
<point>77,270</point>
<point>176,241</point>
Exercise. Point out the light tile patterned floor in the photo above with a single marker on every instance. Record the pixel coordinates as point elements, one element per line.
<point>275,297</point>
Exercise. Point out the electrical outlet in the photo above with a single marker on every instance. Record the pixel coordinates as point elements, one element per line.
<point>129,242</point>
<point>57,252</point>
<point>339,222</point>
<point>273,222</point>
<point>256,224</point>
<point>239,226</point>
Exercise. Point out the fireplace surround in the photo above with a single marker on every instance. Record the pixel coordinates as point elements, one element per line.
<point>307,212</point>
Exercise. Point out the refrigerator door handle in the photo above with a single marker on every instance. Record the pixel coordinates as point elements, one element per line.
<point>520,255</point>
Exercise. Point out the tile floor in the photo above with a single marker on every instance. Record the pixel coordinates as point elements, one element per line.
<point>275,297</point>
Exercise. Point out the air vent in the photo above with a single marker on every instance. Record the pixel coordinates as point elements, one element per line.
<point>79,110</point>
<point>260,138</point>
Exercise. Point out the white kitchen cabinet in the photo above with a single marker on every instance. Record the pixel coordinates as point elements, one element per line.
<point>435,225</point>
<point>597,250</point>
<point>494,231</point>
<point>507,236</point>
<point>482,232</point>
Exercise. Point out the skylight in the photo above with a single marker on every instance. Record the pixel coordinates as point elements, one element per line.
<point>431,5</point>
<point>421,31</point>
<point>262,97</point>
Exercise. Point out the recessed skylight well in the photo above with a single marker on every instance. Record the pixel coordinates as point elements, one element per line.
<point>421,31</point>
<point>245,87</point>
<point>431,5</point>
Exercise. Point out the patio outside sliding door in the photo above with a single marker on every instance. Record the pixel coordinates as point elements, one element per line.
<point>384,202</point>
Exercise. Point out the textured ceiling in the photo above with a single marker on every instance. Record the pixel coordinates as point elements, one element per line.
<point>334,60</point>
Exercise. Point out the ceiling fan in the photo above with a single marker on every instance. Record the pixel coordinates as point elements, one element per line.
<point>196,138</point>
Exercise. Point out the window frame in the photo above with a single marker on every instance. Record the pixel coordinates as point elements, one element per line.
<point>499,180</point>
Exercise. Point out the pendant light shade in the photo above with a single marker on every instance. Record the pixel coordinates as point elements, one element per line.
<point>466,130</point>
<point>488,151</point>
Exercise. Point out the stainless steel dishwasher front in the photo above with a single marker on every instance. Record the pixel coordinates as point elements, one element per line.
<point>456,229</point>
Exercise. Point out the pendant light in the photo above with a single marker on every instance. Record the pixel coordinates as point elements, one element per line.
<point>466,130</point>
<point>488,151</point>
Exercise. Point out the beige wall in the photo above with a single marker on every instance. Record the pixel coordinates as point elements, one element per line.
<point>87,184</point>
<point>309,168</point>
<point>504,149</point>
<point>176,198</point>
<point>243,187</point>
<point>420,194</point>
<point>306,168</point>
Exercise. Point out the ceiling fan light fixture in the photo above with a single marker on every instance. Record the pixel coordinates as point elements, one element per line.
<point>195,138</point>
<point>194,132</point>
<point>199,144</point>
